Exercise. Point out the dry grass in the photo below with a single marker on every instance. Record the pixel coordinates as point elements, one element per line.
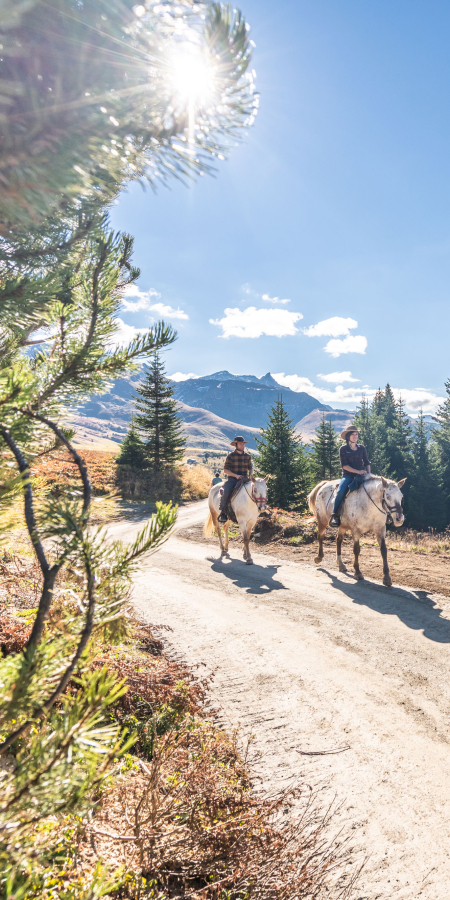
<point>183,820</point>
<point>186,824</point>
<point>59,472</point>
<point>183,483</point>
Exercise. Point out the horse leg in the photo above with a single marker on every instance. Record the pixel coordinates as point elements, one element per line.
<point>215,519</point>
<point>357,551</point>
<point>383,549</point>
<point>225,531</point>
<point>247,554</point>
<point>341,565</point>
<point>321,532</point>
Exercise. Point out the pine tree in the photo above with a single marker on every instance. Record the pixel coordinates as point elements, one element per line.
<point>132,449</point>
<point>157,418</point>
<point>363,421</point>
<point>426,506</point>
<point>441,438</point>
<point>324,462</point>
<point>282,455</point>
<point>72,128</point>
<point>80,117</point>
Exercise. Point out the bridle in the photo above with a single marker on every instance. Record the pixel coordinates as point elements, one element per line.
<point>386,510</point>
<point>261,502</point>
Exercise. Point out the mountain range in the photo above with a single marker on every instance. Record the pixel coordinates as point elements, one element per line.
<point>213,408</point>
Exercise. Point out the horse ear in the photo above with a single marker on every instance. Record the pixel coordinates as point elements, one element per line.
<point>401,483</point>
<point>266,478</point>
<point>384,482</point>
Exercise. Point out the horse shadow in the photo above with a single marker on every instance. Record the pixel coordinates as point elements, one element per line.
<point>253,579</point>
<point>416,609</point>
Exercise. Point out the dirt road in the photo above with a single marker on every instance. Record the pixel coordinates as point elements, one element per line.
<point>307,660</point>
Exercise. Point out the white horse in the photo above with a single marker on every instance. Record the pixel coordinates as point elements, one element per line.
<point>250,499</point>
<point>366,509</point>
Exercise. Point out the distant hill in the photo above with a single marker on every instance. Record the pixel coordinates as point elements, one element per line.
<point>243,398</point>
<point>339,418</point>
<point>207,431</point>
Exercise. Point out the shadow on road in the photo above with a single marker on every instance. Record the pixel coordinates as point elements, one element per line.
<point>254,579</point>
<point>416,609</point>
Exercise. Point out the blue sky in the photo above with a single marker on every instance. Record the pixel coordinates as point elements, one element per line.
<point>338,201</point>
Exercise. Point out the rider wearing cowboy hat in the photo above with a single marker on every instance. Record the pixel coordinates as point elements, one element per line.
<point>238,465</point>
<point>354,462</point>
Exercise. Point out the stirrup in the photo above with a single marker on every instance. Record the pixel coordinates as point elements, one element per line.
<point>335,521</point>
<point>222,518</point>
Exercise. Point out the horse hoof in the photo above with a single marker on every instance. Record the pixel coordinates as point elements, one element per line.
<point>249,561</point>
<point>387,581</point>
<point>343,568</point>
<point>359,576</point>
<point>318,560</point>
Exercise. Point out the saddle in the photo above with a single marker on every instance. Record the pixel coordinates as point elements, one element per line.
<point>229,511</point>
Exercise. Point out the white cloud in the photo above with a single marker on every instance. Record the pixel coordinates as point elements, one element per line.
<point>168,312</point>
<point>273,299</point>
<point>331,327</point>
<point>414,398</point>
<point>182,376</point>
<point>338,377</point>
<point>340,396</point>
<point>353,343</point>
<point>144,300</point>
<point>419,398</point>
<point>252,322</point>
<point>125,333</point>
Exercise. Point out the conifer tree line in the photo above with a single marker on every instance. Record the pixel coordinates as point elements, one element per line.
<point>86,106</point>
<point>397,448</point>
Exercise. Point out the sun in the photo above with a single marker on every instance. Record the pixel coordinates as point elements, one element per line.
<point>191,76</point>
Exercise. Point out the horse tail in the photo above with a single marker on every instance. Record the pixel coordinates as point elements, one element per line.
<point>208,527</point>
<point>313,495</point>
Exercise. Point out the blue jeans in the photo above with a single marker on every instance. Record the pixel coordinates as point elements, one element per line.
<point>228,488</point>
<point>347,483</point>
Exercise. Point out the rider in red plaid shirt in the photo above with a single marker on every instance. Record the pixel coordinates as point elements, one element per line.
<point>238,464</point>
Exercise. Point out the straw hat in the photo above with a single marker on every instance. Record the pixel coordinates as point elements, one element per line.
<point>238,439</point>
<point>348,430</point>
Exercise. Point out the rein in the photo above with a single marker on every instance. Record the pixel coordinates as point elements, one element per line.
<point>256,500</point>
<point>386,511</point>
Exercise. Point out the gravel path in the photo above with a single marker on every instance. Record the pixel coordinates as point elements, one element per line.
<point>309,660</point>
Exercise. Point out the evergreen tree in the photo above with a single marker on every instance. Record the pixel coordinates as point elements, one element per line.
<point>363,421</point>
<point>81,113</point>
<point>324,462</point>
<point>441,437</point>
<point>158,420</point>
<point>427,502</point>
<point>132,449</point>
<point>282,455</point>
<point>81,116</point>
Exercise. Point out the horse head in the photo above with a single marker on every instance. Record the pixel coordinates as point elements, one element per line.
<point>259,492</point>
<point>392,500</point>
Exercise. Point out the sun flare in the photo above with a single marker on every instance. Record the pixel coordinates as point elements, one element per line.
<point>192,76</point>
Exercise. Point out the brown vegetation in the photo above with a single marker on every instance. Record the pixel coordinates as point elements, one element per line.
<point>183,483</point>
<point>57,472</point>
<point>180,819</point>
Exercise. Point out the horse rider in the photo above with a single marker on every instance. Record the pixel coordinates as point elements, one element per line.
<point>354,462</point>
<point>217,479</point>
<point>238,467</point>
